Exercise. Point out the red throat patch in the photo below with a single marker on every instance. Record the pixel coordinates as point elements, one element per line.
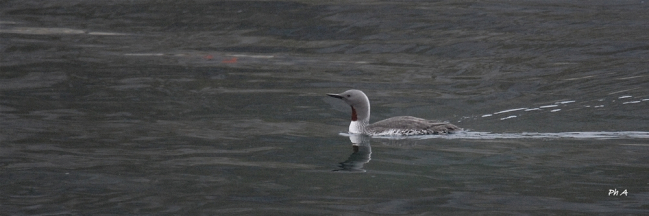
<point>354,116</point>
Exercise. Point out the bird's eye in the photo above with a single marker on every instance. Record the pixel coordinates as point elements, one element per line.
<point>349,95</point>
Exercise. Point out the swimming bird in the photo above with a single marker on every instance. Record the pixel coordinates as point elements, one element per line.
<point>400,125</point>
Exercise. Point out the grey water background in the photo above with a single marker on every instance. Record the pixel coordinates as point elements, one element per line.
<point>218,107</point>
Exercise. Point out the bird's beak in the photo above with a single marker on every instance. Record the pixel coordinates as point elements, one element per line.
<point>336,96</point>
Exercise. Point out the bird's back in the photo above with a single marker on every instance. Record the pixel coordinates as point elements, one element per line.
<point>408,125</point>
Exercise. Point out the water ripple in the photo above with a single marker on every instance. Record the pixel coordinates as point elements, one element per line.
<point>533,135</point>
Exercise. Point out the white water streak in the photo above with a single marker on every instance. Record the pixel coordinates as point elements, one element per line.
<point>509,110</point>
<point>602,135</point>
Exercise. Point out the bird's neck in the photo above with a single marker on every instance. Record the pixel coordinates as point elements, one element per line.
<point>360,119</point>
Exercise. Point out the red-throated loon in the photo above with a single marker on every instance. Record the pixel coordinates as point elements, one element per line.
<point>400,125</point>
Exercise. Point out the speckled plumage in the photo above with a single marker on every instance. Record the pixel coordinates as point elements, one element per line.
<point>408,125</point>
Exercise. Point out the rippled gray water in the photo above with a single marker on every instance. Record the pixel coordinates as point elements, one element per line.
<point>219,107</point>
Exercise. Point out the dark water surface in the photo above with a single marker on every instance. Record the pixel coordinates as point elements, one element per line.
<point>218,107</point>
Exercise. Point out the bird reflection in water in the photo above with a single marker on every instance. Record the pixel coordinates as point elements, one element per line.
<point>361,155</point>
